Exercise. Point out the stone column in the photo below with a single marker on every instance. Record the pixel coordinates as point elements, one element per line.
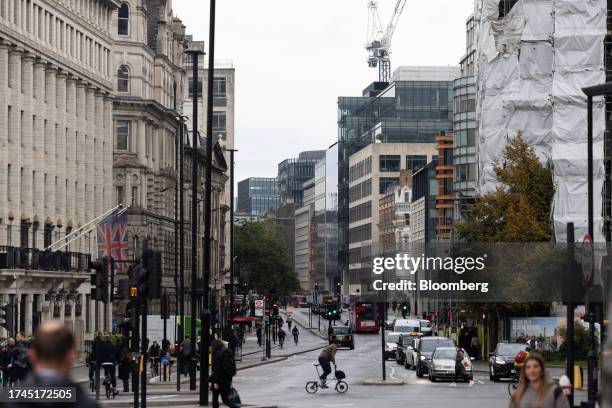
<point>38,152</point>
<point>98,151</point>
<point>141,140</point>
<point>89,148</point>
<point>60,149</point>
<point>4,126</point>
<point>28,313</point>
<point>81,127</point>
<point>107,158</point>
<point>71,166</point>
<point>14,134</point>
<point>27,137</point>
<point>52,133</point>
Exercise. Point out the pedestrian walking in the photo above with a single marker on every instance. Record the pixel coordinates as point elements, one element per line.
<point>19,365</point>
<point>5,360</point>
<point>223,371</point>
<point>475,346</point>
<point>535,389</point>
<point>289,322</point>
<point>459,369</point>
<point>52,355</point>
<point>186,356</point>
<point>125,368</point>
<point>258,332</point>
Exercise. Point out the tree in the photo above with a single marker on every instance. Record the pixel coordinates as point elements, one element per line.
<point>519,209</point>
<point>261,249</point>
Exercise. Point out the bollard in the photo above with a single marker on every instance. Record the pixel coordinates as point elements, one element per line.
<point>577,377</point>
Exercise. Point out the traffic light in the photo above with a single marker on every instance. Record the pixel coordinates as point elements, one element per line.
<point>151,260</point>
<point>405,309</point>
<point>7,313</point>
<point>163,305</point>
<point>101,278</point>
<point>333,312</point>
<point>124,289</point>
<point>139,281</point>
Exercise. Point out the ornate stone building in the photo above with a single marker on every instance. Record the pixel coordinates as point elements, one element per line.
<point>149,80</point>
<point>56,138</point>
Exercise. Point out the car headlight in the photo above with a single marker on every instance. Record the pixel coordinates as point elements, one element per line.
<point>423,358</point>
<point>499,360</point>
<point>386,347</point>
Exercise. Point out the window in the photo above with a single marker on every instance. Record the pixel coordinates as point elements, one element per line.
<point>385,182</point>
<point>123,23</point>
<point>123,79</point>
<point>120,195</point>
<point>191,87</point>
<point>135,200</point>
<point>389,163</point>
<point>219,91</point>
<point>219,124</point>
<point>415,161</point>
<point>123,135</point>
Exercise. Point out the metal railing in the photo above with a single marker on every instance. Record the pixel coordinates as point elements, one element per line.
<point>32,258</point>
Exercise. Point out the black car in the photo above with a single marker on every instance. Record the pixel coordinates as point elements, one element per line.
<point>424,350</point>
<point>403,343</point>
<point>344,334</point>
<point>501,361</point>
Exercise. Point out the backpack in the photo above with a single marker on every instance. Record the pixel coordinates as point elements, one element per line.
<point>228,365</point>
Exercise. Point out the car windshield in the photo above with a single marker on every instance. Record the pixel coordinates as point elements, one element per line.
<point>445,354</point>
<point>430,345</point>
<point>406,329</point>
<point>341,330</point>
<point>425,324</point>
<point>392,338</point>
<point>510,349</point>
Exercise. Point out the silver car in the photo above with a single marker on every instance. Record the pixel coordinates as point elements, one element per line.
<point>442,365</point>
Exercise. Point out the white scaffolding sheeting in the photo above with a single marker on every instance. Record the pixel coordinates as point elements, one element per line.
<point>531,66</point>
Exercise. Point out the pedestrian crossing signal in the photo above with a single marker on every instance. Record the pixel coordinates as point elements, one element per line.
<point>133,292</point>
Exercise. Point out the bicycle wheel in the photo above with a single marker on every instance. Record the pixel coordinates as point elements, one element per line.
<point>312,387</point>
<point>512,386</point>
<point>341,387</point>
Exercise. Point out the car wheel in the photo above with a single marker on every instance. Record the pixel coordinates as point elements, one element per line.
<point>492,376</point>
<point>432,378</point>
<point>419,373</point>
<point>406,365</point>
<point>397,359</point>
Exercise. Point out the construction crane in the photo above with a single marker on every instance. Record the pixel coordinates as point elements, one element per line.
<point>379,40</point>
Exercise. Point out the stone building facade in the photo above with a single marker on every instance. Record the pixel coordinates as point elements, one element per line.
<point>56,137</point>
<point>148,81</point>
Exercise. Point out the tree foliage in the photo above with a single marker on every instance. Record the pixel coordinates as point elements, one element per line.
<point>263,262</point>
<point>519,209</point>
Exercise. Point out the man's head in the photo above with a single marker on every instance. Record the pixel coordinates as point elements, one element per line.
<point>20,337</point>
<point>53,348</point>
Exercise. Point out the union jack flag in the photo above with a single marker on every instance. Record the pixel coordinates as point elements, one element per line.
<point>112,238</point>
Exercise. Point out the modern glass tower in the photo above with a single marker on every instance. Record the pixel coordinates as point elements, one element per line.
<point>415,107</point>
<point>293,173</point>
<point>257,195</point>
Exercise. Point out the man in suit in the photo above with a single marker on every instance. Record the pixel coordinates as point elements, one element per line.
<point>52,355</point>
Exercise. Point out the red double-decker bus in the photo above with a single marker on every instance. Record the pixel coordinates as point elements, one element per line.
<point>363,317</point>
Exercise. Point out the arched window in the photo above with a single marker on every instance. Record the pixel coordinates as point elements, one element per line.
<point>123,79</point>
<point>123,23</point>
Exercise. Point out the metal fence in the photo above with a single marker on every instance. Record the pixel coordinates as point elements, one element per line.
<point>32,258</point>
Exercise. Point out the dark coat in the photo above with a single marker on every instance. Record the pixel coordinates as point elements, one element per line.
<point>106,352</point>
<point>220,374</point>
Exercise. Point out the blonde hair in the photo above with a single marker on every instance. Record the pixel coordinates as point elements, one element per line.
<point>524,382</point>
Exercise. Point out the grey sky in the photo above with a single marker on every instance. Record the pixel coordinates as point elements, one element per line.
<point>293,58</point>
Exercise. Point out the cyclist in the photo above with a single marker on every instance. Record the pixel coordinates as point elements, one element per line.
<point>281,337</point>
<point>296,334</point>
<point>328,356</point>
<point>155,355</point>
<point>106,357</point>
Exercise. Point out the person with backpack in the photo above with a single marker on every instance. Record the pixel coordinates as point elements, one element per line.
<point>535,389</point>
<point>19,364</point>
<point>223,370</point>
<point>296,334</point>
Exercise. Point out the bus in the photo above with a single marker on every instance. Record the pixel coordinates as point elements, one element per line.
<point>363,317</point>
<point>299,301</point>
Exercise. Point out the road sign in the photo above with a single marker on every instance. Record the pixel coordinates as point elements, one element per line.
<point>587,260</point>
<point>259,308</point>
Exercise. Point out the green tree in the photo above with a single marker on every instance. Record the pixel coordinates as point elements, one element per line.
<point>261,248</point>
<point>519,209</point>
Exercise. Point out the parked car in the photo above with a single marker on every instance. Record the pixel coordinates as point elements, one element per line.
<point>411,354</point>
<point>405,347</point>
<point>344,334</point>
<point>391,344</point>
<point>425,349</point>
<point>407,326</point>
<point>442,365</point>
<point>501,361</point>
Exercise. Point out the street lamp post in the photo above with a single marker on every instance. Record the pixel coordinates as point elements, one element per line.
<point>231,313</point>
<point>195,53</point>
<point>590,92</point>
<point>204,367</point>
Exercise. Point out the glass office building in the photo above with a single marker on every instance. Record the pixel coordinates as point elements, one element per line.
<point>257,195</point>
<point>293,173</point>
<point>415,107</point>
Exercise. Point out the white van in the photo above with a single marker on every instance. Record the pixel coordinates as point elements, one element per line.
<point>407,326</point>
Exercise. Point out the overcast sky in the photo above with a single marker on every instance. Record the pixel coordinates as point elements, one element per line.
<point>293,58</point>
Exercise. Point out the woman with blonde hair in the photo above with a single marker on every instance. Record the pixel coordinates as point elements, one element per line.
<point>534,389</point>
